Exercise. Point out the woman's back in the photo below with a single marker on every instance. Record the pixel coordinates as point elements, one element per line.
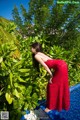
<point>43,56</point>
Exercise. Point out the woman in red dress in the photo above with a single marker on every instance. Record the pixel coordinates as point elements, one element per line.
<point>58,95</point>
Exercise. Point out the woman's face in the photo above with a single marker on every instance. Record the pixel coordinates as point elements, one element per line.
<point>33,50</point>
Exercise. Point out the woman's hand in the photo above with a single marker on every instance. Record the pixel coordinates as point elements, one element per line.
<point>50,81</point>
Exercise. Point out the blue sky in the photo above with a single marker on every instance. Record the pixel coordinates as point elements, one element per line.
<point>6,7</point>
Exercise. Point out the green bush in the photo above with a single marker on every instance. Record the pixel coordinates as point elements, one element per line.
<point>19,86</point>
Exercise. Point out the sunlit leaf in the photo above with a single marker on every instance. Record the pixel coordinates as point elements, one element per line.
<point>1,59</point>
<point>16,93</point>
<point>24,70</point>
<point>8,98</point>
<point>11,76</point>
<point>20,79</point>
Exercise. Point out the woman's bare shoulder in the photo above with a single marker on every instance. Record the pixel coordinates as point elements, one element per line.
<point>43,55</point>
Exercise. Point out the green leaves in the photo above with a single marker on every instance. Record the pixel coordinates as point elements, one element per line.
<point>20,79</point>
<point>1,59</point>
<point>11,76</point>
<point>24,70</point>
<point>34,97</point>
<point>8,98</point>
<point>7,28</point>
<point>16,93</point>
<point>28,90</point>
<point>3,66</point>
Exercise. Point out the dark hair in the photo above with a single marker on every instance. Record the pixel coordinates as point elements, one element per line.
<point>38,47</point>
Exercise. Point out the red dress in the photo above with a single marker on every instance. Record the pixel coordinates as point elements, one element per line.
<point>58,94</point>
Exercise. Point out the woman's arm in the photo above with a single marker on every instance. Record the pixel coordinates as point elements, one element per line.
<point>37,57</point>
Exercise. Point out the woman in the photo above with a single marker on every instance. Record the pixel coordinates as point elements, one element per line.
<point>58,96</point>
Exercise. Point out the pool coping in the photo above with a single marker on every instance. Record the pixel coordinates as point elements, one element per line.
<point>74,87</point>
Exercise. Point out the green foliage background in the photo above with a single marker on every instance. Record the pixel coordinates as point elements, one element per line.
<point>21,86</point>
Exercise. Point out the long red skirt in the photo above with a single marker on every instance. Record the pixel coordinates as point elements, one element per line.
<point>58,94</point>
